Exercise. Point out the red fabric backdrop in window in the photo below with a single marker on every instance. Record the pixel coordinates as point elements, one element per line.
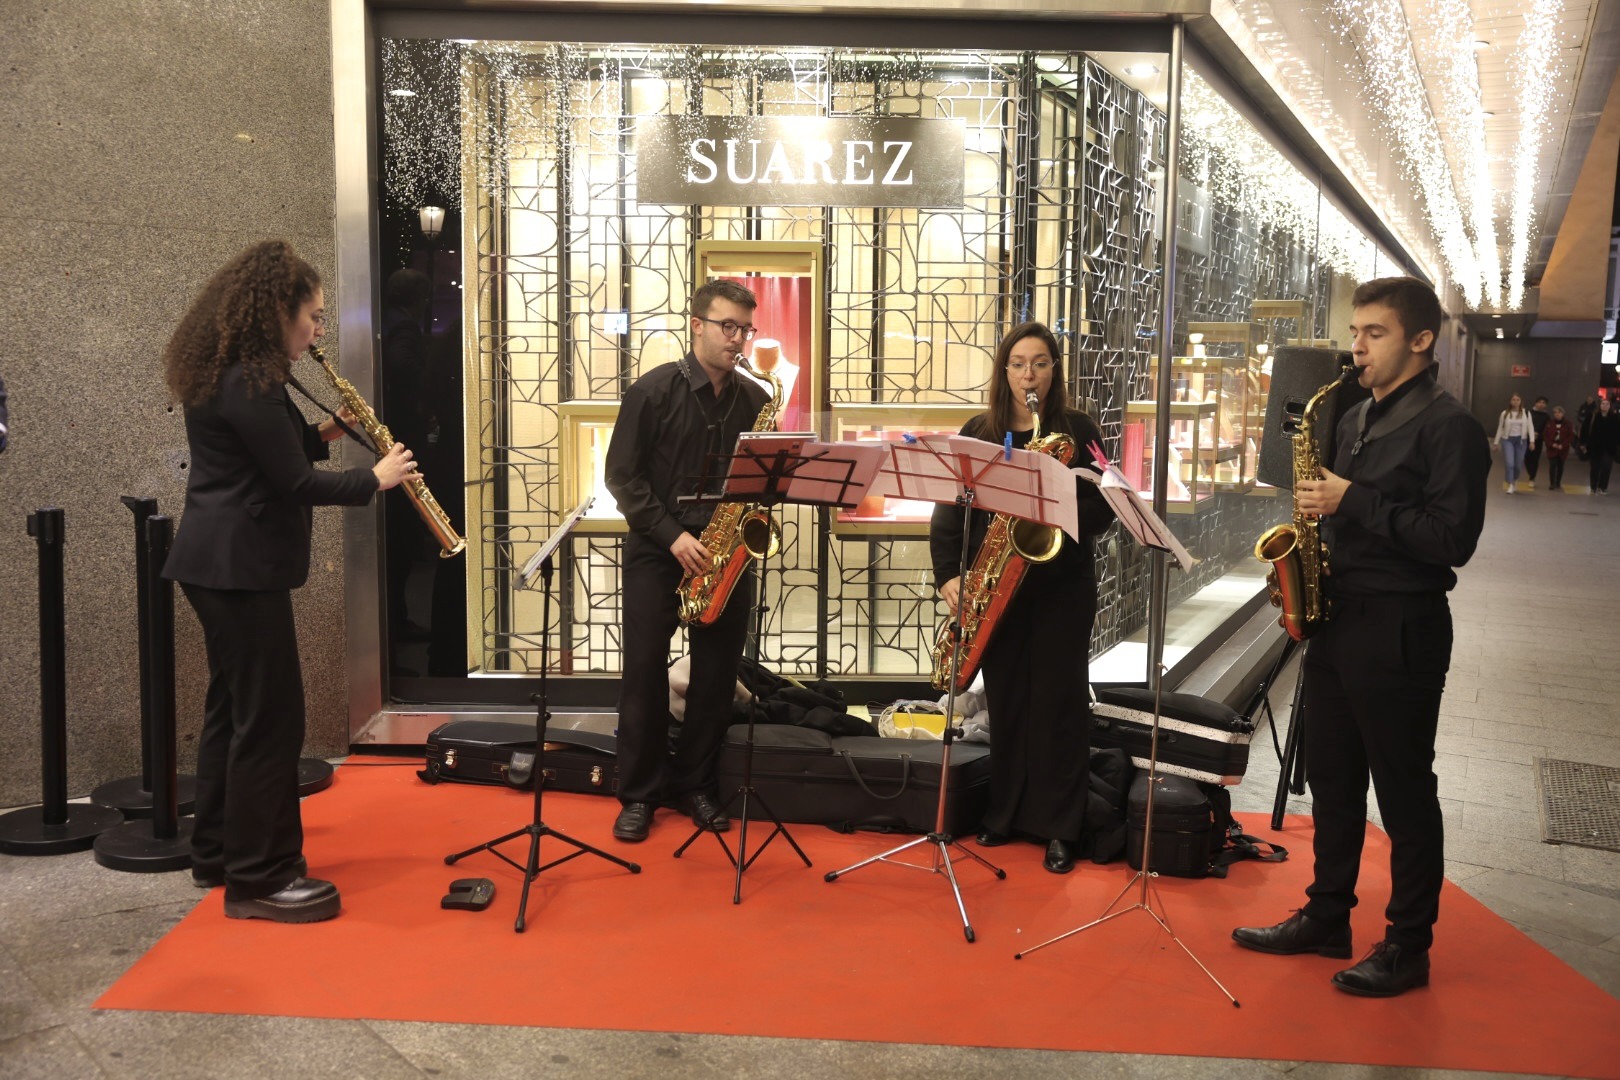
<point>784,314</point>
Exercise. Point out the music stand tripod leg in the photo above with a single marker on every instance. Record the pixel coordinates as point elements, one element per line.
<point>939,839</point>
<point>1291,774</point>
<point>1145,902</point>
<point>531,868</point>
<point>741,860</point>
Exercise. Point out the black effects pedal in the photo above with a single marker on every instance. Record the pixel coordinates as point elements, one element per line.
<point>469,894</point>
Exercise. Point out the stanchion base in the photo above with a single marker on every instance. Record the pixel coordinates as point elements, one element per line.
<point>313,775</point>
<point>132,848</point>
<point>24,832</point>
<point>128,797</point>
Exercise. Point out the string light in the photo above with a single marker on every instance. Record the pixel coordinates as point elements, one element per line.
<point>1533,67</point>
<point>1444,36</point>
<point>1394,90</point>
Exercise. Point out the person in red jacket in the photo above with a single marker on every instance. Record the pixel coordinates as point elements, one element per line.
<point>1557,438</point>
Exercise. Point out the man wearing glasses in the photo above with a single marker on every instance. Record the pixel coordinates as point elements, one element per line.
<point>671,419</point>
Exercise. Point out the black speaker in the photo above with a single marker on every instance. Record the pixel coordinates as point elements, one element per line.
<point>1297,373</point>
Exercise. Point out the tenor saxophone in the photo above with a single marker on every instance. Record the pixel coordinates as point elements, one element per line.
<point>738,531</point>
<point>1294,549</point>
<point>437,521</point>
<point>1010,545</point>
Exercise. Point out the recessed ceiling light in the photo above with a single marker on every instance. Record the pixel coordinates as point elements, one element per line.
<point>402,93</point>
<point>1486,112</point>
<point>1141,70</point>
<point>1496,316</point>
<point>1481,43</point>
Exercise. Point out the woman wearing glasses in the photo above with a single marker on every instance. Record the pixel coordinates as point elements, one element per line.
<point>1035,669</point>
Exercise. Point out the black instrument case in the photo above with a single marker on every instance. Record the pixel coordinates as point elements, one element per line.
<point>502,752</point>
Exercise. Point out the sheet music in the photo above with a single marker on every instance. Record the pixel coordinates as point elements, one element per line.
<point>1025,484</point>
<point>824,474</point>
<point>1134,514</point>
<point>531,569</point>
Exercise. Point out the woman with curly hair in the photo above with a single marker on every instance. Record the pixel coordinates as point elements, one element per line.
<point>242,547</point>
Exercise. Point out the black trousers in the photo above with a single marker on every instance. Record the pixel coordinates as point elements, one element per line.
<point>248,826</point>
<point>1373,680</point>
<point>1602,463</point>
<point>1555,472</point>
<point>1532,460</point>
<point>648,770</point>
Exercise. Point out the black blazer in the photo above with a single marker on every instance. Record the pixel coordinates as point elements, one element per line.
<point>248,516</point>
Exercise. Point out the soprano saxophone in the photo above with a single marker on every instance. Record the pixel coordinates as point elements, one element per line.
<point>737,532</point>
<point>1010,545</point>
<point>438,522</point>
<point>1295,550</point>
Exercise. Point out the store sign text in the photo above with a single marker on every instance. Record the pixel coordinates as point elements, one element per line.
<point>799,161</point>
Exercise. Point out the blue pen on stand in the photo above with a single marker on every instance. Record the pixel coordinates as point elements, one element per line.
<point>1006,447</point>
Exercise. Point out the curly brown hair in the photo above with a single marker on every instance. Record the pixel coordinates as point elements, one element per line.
<point>238,318</point>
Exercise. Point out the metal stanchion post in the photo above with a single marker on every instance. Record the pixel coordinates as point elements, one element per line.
<point>162,842</point>
<point>54,827</point>
<point>133,795</point>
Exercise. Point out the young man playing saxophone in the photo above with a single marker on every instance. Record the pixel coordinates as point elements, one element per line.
<point>671,419</point>
<point>1403,504</point>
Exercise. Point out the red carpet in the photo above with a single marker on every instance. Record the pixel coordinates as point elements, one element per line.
<point>877,955</point>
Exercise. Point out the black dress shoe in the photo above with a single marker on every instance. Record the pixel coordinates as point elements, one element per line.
<point>706,813</point>
<point>991,839</point>
<point>634,822</point>
<point>304,900</point>
<point>1388,970</point>
<point>1059,857</point>
<point>1299,933</point>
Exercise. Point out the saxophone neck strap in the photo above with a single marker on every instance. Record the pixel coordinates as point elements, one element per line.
<point>1398,416</point>
<point>292,381</point>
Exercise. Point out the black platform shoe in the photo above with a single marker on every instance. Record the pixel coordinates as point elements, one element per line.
<point>1299,933</point>
<point>1387,970</point>
<point>304,900</point>
<point>991,839</point>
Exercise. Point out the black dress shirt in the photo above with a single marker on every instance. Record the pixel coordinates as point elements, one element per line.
<point>1093,513</point>
<point>1416,502</point>
<point>669,421</point>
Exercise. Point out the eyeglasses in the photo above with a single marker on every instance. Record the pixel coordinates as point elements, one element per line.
<point>731,329</point>
<point>1041,367</point>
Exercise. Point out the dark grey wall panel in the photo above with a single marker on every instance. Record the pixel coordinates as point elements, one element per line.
<point>128,184</point>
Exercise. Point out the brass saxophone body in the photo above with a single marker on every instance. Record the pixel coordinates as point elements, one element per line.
<point>1010,545</point>
<point>737,533</point>
<point>437,521</point>
<point>1295,550</point>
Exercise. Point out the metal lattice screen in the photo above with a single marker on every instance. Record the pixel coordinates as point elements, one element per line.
<point>577,289</point>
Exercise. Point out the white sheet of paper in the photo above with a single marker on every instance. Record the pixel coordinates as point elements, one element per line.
<point>936,468</point>
<point>1134,514</point>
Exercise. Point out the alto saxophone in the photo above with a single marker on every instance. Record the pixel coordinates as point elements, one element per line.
<point>737,532</point>
<point>1295,551</point>
<point>438,522</point>
<point>1010,545</point>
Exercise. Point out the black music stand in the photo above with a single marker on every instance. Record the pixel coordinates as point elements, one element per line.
<point>1148,530</point>
<point>540,565</point>
<point>769,469</point>
<point>926,469</point>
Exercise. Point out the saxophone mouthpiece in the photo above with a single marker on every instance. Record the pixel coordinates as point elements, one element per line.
<point>1033,401</point>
